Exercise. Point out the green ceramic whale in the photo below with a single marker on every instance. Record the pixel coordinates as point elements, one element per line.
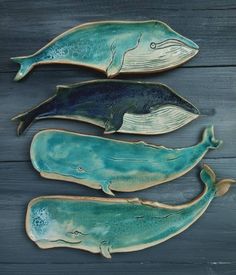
<point>107,164</point>
<point>106,226</point>
<point>115,47</point>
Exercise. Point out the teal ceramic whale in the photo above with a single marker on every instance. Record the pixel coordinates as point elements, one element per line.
<point>115,47</point>
<point>124,106</point>
<point>107,164</point>
<point>106,226</point>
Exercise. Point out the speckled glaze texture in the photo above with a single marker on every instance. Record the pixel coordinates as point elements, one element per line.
<point>114,47</point>
<point>124,106</point>
<point>106,164</point>
<point>108,226</point>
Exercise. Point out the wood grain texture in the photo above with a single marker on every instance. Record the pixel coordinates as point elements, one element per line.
<point>116,269</point>
<point>208,81</point>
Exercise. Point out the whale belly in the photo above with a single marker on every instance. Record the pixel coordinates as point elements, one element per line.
<point>162,120</point>
<point>169,54</point>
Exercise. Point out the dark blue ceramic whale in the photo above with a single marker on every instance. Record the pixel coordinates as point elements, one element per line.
<point>116,105</point>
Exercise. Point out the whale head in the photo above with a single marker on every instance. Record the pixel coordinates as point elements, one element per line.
<point>48,226</point>
<point>159,48</point>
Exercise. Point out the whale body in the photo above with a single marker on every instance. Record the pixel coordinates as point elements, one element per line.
<point>116,105</point>
<point>106,226</point>
<point>115,47</point>
<point>107,164</point>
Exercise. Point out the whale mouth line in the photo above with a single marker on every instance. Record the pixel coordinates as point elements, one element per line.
<point>159,121</point>
<point>58,241</point>
<point>172,42</point>
<point>164,55</point>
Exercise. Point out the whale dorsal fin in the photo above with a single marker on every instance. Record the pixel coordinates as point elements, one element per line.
<point>67,88</point>
<point>62,89</point>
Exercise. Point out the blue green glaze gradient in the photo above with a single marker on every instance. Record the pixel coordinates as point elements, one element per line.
<point>104,45</point>
<point>114,225</point>
<point>110,164</point>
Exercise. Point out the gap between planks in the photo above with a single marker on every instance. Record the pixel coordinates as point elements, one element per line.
<point>68,70</point>
<point>122,262</point>
<point>203,160</point>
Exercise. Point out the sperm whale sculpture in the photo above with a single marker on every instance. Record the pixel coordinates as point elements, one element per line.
<point>115,47</point>
<point>107,164</point>
<point>106,226</point>
<point>124,106</point>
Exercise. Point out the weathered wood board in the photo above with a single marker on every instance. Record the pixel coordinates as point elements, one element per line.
<point>208,81</point>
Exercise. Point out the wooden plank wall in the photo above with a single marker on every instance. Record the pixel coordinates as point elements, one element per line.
<point>208,81</point>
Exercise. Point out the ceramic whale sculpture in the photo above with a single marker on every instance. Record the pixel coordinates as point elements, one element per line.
<point>107,164</point>
<point>115,47</point>
<point>106,226</point>
<point>124,106</point>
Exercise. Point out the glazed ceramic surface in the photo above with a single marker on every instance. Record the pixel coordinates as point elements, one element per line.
<point>114,47</point>
<point>108,226</point>
<point>116,105</point>
<point>106,164</point>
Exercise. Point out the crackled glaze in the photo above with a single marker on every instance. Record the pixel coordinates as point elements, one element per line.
<point>108,226</point>
<point>107,164</point>
<point>115,47</point>
<point>124,106</point>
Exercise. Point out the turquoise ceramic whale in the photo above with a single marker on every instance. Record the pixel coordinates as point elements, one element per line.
<point>107,164</point>
<point>115,47</point>
<point>107,226</point>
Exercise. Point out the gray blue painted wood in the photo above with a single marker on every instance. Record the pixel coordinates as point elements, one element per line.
<point>107,164</point>
<point>115,47</point>
<point>209,246</point>
<point>108,226</point>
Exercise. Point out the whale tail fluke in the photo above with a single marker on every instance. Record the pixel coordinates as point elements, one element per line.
<point>24,119</point>
<point>39,111</point>
<point>209,178</point>
<point>209,138</point>
<point>26,64</point>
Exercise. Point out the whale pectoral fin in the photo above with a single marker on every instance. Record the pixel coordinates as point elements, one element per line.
<point>118,49</point>
<point>116,62</point>
<point>104,250</point>
<point>114,123</point>
<point>106,188</point>
<point>109,127</point>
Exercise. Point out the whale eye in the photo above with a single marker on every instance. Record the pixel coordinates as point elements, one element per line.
<point>74,233</point>
<point>153,45</point>
<point>80,169</point>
